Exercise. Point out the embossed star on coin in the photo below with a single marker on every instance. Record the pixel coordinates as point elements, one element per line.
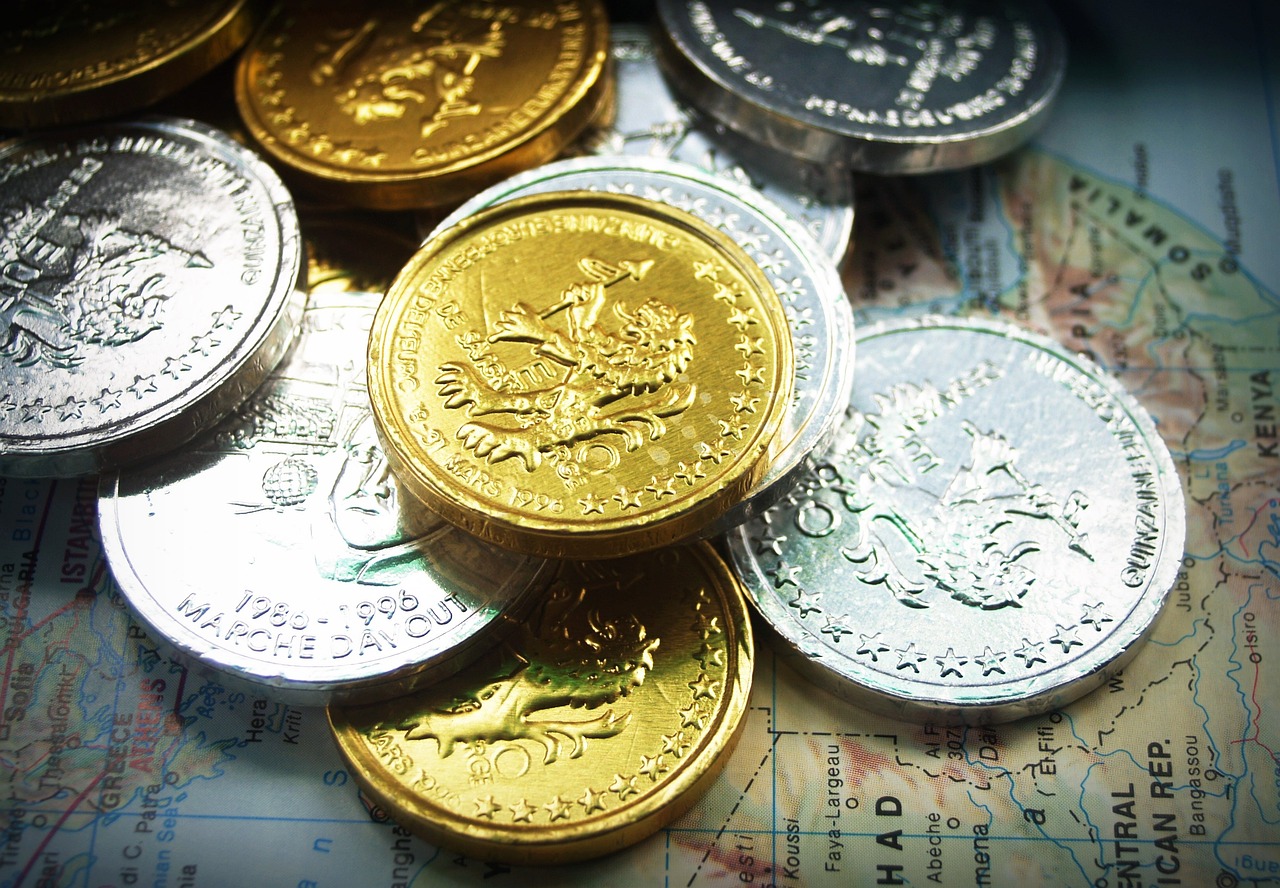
<point>151,282</point>
<point>885,88</point>
<point>597,723</point>
<point>807,285</point>
<point>341,586</point>
<point>548,373</point>
<point>65,64</point>
<point>995,572</point>
<point>394,106</point>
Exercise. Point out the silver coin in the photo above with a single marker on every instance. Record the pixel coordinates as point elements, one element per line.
<point>278,550</point>
<point>884,88</point>
<point>805,278</point>
<point>150,283</point>
<point>650,122</point>
<point>996,527</point>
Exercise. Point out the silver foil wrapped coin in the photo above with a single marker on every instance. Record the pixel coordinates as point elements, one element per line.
<point>278,551</point>
<point>648,121</point>
<point>883,88</point>
<point>804,277</point>
<point>150,282</point>
<point>994,531</point>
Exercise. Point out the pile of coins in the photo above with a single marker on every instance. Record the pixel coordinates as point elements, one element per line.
<point>463,492</point>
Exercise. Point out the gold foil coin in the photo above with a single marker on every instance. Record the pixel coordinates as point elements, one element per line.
<point>607,715</point>
<point>65,63</point>
<point>397,105</point>
<point>580,375</point>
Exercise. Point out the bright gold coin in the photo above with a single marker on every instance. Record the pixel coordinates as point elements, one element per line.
<point>580,375</point>
<point>394,105</point>
<point>64,63</point>
<point>606,717</point>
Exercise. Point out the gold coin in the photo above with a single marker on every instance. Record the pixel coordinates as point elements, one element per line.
<point>580,375</point>
<point>65,63</point>
<point>604,719</point>
<point>397,105</point>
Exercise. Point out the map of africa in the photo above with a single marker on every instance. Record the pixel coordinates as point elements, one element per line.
<point>1139,227</point>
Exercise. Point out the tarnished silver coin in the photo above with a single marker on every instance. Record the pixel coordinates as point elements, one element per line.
<point>278,550</point>
<point>996,528</point>
<point>805,278</point>
<point>649,121</point>
<point>150,282</point>
<point>884,88</point>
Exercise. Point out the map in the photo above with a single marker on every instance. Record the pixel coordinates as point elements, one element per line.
<point>1141,226</point>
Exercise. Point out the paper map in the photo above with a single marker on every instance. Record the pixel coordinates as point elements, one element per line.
<point>1142,226</point>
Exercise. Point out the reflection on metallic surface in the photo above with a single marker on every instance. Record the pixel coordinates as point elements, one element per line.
<point>994,532</point>
<point>605,717</point>
<point>151,283</point>
<point>581,374</point>
<point>338,585</point>
<point>415,108</point>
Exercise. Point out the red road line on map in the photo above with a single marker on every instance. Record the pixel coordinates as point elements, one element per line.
<point>1271,504</point>
<point>1257,708</point>
<point>25,590</point>
<point>56,826</point>
<point>35,627</point>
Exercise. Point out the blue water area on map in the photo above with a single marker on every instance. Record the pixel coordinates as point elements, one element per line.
<point>1220,453</point>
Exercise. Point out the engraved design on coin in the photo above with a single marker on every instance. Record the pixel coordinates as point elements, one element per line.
<point>341,584</point>
<point>270,93</point>
<point>590,726</point>
<point>359,533</point>
<point>913,50</point>
<point>566,654</point>
<point>922,40</point>
<point>149,284</point>
<point>971,541</point>
<point>650,122</point>
<point>401,107</point>
<point>77,278</point>
<point>756,242</point>
<point>387,79</point>
<point>1026,549</point>
<point>885,88</point>
<point>807,285</point>
<point>618,380</point>
<point>549,401</point>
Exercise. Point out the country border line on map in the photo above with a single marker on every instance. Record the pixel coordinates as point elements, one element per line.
<point>1241,267</point>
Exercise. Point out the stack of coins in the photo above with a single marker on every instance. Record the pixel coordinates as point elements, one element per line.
<point>610,358</point>
<point>903,88</point>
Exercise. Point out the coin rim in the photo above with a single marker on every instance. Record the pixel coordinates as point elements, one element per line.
<point>706,87</point>
<point>574,537</point>
<point>985,704</point>
<point>183,416</point>
<point>589,95</point>
<point>137,86</point>
<point>608,831</point>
